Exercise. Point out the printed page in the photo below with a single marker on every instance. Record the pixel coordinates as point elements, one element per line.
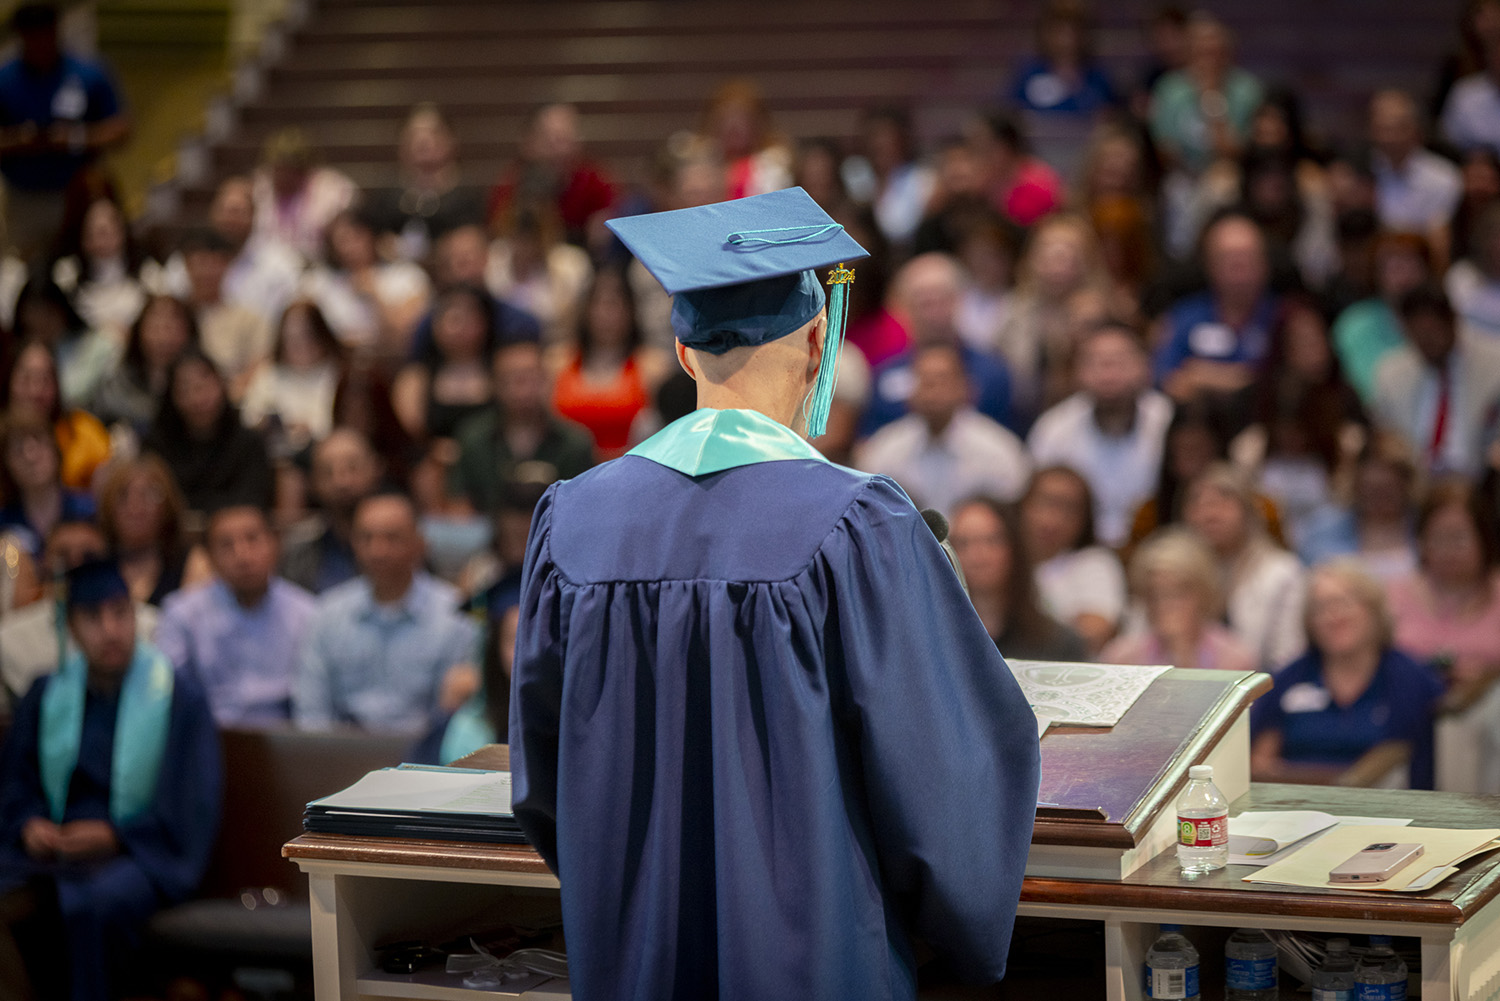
<point>1082,694</point>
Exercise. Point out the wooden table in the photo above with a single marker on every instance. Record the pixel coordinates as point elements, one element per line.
<point>366,889</point>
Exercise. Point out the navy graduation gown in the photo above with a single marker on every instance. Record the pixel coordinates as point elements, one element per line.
<point>163,852</point>
<point>762,738</point>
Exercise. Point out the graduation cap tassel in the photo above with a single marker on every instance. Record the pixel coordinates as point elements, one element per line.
<point>821,401</point>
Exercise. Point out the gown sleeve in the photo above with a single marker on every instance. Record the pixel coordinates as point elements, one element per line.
<point>21,795</point>
<point>174,838</point>
<point>946,740</point>
<point>536,691</point>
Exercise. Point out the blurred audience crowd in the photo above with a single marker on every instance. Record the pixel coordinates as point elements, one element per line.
<point>1193,384</point>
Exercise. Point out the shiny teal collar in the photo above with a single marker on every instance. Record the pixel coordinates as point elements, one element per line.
<point>711,441</point>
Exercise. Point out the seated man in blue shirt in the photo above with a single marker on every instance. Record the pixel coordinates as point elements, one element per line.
<point>388,649</point>
<point>58,114</point>
<point>238,634</point>
<point>109,799</point>
<point>1214,340</point>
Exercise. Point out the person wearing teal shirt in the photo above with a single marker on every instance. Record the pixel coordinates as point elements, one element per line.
<point>1367,330</point>
<point>1363,334</point>
<point>109,799</point>
<point>1202,112</point>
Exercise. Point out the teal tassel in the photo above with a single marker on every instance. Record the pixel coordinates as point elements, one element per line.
<point>820,401</point>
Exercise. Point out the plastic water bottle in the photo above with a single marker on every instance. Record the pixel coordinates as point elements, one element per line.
<point>1172,966</point>
<point>1250,966</point>
<point>1334,980</point>
<point>1380,975</point>
<point>1202,823</point>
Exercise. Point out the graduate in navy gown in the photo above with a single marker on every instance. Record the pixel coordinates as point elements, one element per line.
<point>109,799</point>
<point>756,727</point>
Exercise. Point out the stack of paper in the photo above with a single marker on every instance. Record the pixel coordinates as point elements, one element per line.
<point>416,801</point>
<point>1261,838</point>
<point>1444,851</point>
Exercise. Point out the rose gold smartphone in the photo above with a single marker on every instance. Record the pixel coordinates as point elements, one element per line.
<point>1375,863</point>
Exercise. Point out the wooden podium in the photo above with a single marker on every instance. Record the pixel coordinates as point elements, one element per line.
<point>1100,853</point>
<point>1106,805</point>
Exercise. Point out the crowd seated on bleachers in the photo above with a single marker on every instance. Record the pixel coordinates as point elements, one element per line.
<point>1158,369</point>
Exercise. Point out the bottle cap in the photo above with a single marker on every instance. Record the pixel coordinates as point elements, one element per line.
<point>1201,772</point>
<point>1337,945</point>
<point>1167,928</point>
<point>1379,940</point>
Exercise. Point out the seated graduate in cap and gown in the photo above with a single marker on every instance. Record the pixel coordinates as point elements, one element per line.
<point>756,727</point>
<point>109,799</point>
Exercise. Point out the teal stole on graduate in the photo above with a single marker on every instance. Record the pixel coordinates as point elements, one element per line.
<point>145,712</point>
<point>468,730</point>
<point>711,441</point>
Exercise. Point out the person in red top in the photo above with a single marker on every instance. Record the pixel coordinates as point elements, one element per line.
<point>552,168</point>
<point>1022,187</point>
<point>610,377</point>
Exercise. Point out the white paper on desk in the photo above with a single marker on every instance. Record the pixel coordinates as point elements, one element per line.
<point>1445,848</point>
<point>436,790</point>
<point>1259,835</point>
<point>1265,837</point>
<point>1082,694</point>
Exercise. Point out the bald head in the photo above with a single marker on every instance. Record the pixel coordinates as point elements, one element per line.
<point>773,378</point>
<point>927,291</point>
<point>1234,255</point>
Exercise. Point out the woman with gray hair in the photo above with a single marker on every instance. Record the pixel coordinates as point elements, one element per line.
<point>1174,577</point>
<point>1263,584</point>
<point>1350,691</point>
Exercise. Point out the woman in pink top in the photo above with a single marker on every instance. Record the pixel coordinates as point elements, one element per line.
<point>1449,609</point>
<point>1176,579</point>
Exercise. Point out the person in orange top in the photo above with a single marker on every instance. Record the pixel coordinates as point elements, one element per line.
<point>610,377</point>
<point>31,388</point>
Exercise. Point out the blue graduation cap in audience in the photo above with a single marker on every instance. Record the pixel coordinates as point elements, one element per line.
<point>743,273</point>
<point>94,582</point>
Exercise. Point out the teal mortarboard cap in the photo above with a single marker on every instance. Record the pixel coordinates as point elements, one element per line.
<point>743,273</point>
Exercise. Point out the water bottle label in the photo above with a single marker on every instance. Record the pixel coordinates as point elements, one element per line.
<point>1333,994</point>
<point>1250,974</point>
<point>1382,992</point>
<point>1203,832</point>
<point>1172,983</point>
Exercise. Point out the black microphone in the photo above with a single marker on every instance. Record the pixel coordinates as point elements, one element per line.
<point>938,526</point>
<point>936,522</point>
